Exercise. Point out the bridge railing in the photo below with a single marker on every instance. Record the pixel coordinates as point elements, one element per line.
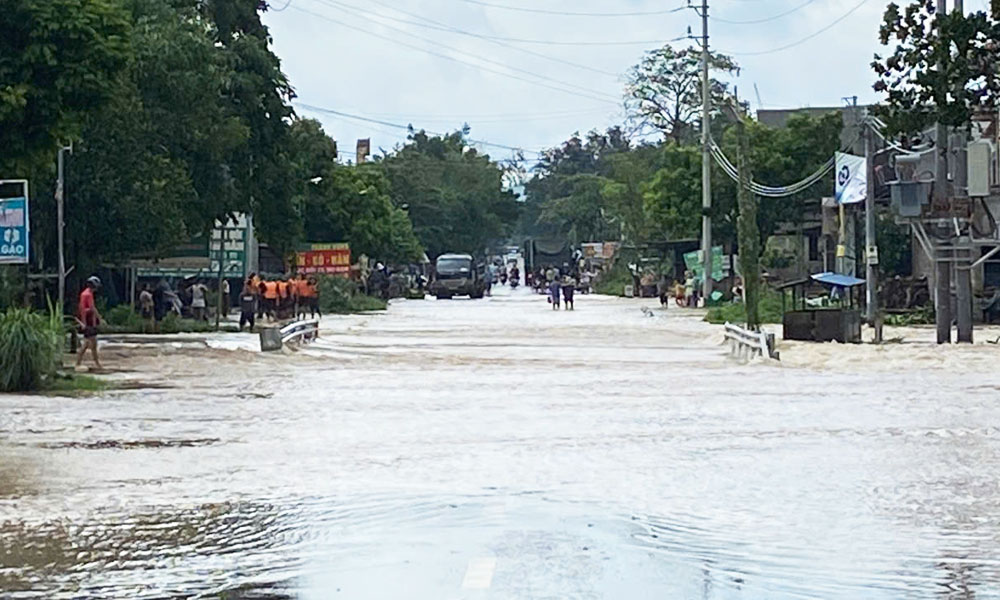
<point>746,343</point>
<point>272,338</point>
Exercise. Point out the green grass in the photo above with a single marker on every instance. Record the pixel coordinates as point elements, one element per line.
<point>917,316</point>
<point>769,309</point>
<point>338,295</point>
<point>613,282</point>
<point>74,384</point>
<point>122,319</point>
<point>30,348</point>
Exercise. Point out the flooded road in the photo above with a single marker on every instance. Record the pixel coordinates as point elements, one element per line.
<point>496,449</point>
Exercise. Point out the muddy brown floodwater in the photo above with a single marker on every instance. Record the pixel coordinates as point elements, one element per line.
<point>496,449</point>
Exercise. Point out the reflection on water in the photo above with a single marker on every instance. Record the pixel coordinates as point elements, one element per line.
<point>596,454</point>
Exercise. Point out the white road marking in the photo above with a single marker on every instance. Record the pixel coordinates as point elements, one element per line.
<point>479,574</point>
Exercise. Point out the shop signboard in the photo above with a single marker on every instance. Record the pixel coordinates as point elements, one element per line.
<point>15,227</point>
<point>693,261</point>
<point>324,259</point>
<point>231,244</point>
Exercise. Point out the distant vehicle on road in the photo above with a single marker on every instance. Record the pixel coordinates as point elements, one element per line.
<point>457,275</point>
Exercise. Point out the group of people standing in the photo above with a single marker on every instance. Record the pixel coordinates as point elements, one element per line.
<point>278,298</point>
<point>561,285</point>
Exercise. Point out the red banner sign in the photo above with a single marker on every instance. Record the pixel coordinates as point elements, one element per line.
<point>324,259</point>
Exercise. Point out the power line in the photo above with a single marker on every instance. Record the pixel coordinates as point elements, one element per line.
<point>356,12</point>
<point>805,39</point>
<point>439,26</point>
<point>331,111</point>
<point>765,19</point>
<point>587,94</point>
<point>498,117</point>
<point>562,13</point>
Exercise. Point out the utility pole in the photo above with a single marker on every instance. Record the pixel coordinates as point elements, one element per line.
<point>871,247</point>
<point>942,264</point>
<point>706,158</point>
<point>60,224</point>
<point>963,257</point>
<point>748,233</point>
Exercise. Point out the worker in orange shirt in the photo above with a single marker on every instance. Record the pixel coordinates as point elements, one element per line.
<point>308,296</point>
<point>271,298</point>
<point>301,295</point>
<point>254,284</point>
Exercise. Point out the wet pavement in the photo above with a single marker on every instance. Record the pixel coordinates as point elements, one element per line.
<point>497,449</point>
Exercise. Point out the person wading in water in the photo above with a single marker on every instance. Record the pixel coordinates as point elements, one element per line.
<point>89,319</point>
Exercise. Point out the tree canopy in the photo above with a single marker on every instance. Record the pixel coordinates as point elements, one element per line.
<point>941,68</point>
<point>454,194</point>
<point>663,91</point>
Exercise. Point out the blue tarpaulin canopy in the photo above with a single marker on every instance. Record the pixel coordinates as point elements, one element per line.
<point>837,279</point>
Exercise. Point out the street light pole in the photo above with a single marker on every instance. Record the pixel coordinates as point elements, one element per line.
<point>706,157</point>
<point>60,224</point>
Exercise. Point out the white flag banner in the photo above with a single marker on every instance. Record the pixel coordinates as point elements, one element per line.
<point>852,178</point>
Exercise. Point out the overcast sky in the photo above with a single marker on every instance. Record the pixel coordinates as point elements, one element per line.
<point>404,61</point>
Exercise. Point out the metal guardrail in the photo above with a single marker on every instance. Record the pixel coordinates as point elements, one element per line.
<point>749,343</point>
<point>272,338</point>
<point>305,331</point>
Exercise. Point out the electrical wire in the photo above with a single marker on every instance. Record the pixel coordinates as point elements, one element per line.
<point>765,19</point>
<point>562,13</point>
<point>359,14</point>
<point>605,98</point>
<point>338,113</point>
<point>439,26</point>
<point>272,9</point>
<point>824,29</point>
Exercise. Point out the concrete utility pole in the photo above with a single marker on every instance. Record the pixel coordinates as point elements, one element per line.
<point>871,247</point>
<point>706,158</point>
<point>963,258</point>
<point>942,264</point>
<point>60,224</point>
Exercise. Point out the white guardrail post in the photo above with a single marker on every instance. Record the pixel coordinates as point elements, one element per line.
<point>746,344</point>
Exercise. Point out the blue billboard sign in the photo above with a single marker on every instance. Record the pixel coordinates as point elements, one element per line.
<point>14,231</point>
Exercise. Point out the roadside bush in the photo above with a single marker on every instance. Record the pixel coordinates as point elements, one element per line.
<point>613,281</point>
<point>124,316</point>
<point>768,307</point>
<point>919,316</point>
<point>30,348</point>
<point>342,295</point>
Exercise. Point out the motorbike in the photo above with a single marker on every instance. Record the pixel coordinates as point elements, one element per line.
<point>514,283</point>
<point>503,279</point>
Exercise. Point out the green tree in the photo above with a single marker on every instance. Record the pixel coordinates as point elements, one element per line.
<point>672,195</point>
<point>348,203</point>
<point>663,92</point>
<point>573,193</point>
<point>58,61</point>
<point>454,195</point>
<point>258,94</point>
<point>941,67</point>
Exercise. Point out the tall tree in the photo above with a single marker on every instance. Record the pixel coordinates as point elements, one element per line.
<point>258,93</point>
<point>941,67</point>
<point>58,61</point>
<point>569,195</point>
<point>663,92</point>
<point>454,194</point>
<point>348,203</point>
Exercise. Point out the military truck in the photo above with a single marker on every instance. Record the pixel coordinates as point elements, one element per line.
<point>457,275</point>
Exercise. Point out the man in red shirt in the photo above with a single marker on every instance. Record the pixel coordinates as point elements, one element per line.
<point>89,320</point>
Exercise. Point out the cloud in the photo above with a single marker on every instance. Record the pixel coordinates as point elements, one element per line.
<point>350,55</point>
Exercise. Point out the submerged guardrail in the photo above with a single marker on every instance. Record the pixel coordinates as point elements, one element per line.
<point>272,338</point>
<point>746,343</point>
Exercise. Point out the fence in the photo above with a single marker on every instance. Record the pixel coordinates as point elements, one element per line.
<point>749,343</point>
